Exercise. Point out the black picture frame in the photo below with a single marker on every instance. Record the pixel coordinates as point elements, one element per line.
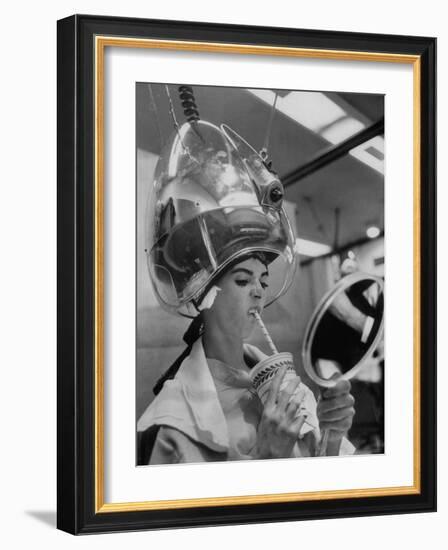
<point>79,507</point>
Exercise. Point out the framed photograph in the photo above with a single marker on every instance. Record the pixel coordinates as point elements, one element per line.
<point>246,274</point>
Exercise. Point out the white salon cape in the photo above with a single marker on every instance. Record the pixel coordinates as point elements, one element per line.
<point>210,412</point>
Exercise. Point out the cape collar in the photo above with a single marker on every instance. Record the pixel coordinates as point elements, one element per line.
<point>190,402</point>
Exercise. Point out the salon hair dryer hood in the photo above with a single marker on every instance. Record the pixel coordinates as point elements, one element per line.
<point>213,201</point>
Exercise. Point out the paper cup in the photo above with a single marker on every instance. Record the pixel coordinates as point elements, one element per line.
<point>263,373</point>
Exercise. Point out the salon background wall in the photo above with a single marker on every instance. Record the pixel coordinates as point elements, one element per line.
<point>28,275</point>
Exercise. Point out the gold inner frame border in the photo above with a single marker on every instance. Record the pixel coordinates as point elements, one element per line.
<point>100,44</point>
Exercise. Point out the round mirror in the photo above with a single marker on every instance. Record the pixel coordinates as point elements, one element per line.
<point>345,329</point>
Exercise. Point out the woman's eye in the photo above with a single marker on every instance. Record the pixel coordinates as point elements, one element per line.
<point>245,282</point>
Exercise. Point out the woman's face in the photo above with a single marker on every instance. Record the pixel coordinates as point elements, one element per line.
<point>243,289</point>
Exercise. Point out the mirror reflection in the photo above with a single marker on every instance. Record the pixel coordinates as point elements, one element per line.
<point>348,328</point>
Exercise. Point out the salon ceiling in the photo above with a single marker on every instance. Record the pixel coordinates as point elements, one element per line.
<point>348,184</point>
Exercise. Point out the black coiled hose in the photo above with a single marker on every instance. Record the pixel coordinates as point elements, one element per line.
<point>189,103</point>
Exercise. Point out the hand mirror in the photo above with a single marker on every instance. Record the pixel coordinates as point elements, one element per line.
<point>345,329</point>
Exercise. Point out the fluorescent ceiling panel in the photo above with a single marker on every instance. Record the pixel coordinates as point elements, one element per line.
<point>375,161</point>
<point>320,114</point>
<point>314,110</point>
<point>311,248</point>
<point>342,129</point>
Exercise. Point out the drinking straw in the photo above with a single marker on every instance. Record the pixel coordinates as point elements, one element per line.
<point>265,331</point>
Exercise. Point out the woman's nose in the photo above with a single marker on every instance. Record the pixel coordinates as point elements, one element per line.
<point>257,290</point>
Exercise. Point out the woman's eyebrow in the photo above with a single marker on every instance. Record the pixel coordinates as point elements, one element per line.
<point>248,271</point>
<point>243,269</point>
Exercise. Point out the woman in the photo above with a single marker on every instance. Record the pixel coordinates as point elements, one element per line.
<point>210,412</point>
<point>217,228</point>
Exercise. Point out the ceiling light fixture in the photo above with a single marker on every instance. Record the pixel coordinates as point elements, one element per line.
<point>373,232</point>
<point>314,110</point>
<point>317,112</point>
<point>311,248</point>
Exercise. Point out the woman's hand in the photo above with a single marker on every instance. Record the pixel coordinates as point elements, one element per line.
<point>335,411</point>
<point>279,428</point>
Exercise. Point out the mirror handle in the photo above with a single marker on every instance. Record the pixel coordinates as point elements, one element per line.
<point>322,449</point>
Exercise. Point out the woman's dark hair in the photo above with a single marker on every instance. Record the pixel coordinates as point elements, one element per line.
<point>193,332</point>
<point>264,257</point>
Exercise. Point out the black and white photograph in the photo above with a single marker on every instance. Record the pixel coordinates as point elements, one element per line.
<point>260,273</point>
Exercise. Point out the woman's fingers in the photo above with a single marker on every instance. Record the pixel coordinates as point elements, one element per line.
<point>337,414</point>
<point>275,386</point>
<point>342,425</point>
<point>335,409</point>
<point>297,424</point>
<point>285,395</point>
<point>292,427</point>
<point>341,387</point>
<point>295,404</point>
<point>339,402</point>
